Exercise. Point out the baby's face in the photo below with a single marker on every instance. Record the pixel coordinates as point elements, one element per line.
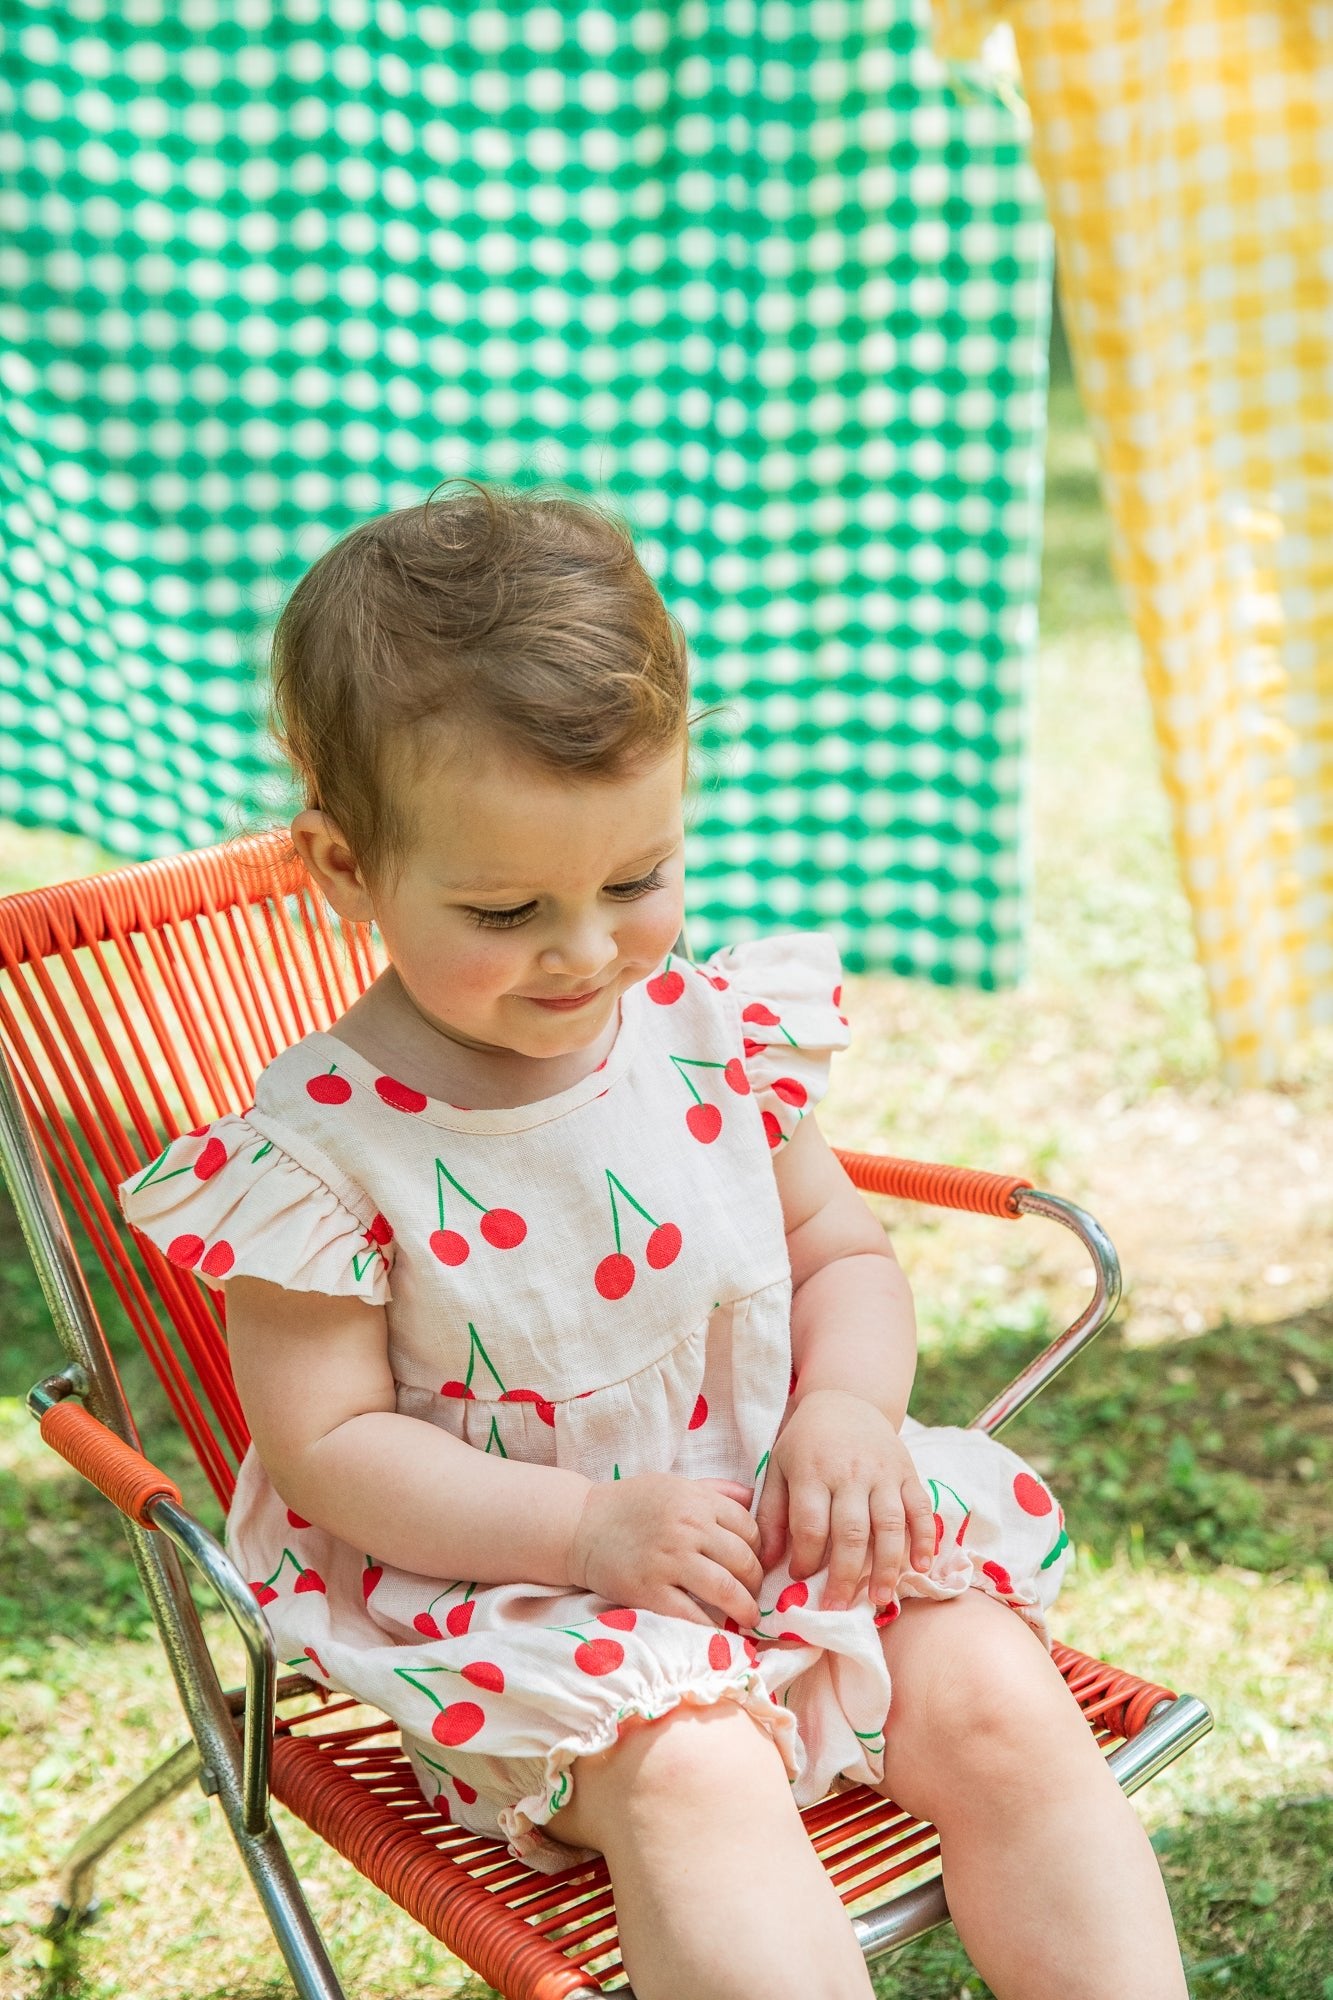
<point>524,888</point>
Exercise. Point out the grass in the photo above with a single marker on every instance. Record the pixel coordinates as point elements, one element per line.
<point>1192,1450</point>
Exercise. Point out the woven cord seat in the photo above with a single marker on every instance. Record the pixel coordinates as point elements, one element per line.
<point>145,1002</point>
<point>538,1937</point>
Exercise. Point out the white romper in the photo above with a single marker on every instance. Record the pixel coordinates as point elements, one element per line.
<point>598,1280</point>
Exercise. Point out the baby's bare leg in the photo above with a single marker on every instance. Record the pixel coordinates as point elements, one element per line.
<point>1051,1881</point>
<point>719,1894</point>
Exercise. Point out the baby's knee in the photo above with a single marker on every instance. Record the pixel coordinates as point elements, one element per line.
<point>688,1759</point>
<point>991,1714</point>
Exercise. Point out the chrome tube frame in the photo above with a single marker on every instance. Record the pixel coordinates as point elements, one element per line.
<point>1095,1315</point>
<point>92,1374</point>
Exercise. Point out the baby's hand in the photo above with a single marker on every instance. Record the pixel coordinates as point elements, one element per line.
<point>648,1540</point>
<point>842,1484</point>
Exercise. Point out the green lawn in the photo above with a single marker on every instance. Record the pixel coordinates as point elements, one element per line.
<point>1192,1450</point>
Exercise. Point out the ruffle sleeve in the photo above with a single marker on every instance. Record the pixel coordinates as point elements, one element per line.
<point>789,991</point>
<point>228,1201</point>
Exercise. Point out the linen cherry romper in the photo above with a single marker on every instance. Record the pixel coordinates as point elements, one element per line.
<point>599,1280</point>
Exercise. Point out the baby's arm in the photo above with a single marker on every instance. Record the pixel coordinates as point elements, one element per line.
<point>313,1376</point>
<point>841,1482</point>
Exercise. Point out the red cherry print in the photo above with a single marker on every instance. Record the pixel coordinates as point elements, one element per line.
<point>380,1230</point>
<point>456,1389</point>
<point>311,1654</point>
<point>794,1594</point>
<point>449,1246</point>
<point>294,1519</point>
<point>598,1656</point>
<point>485,1674</point>
<point>400,1095</point>
<point>1000,1577</point>
<point>457,1723</point>
<point>467,1793</point>
<point>704,1122</point>
<point>762,1016</point>
<point>1031,1495</point>
<point>620,1618</point>
<point>837,996</point>
<point>751,1651</point>
<point>888,1614</point>
<point>613,1276</point>
<point>460,1617</point>
<point>545,1410</point>
<point>719,1653</point>
<point>426,1625</point>
<point>213,1156</point>
<point>329,1089</point>
<point>503,1229</point>
<point>730,1625</point>
<point>699,1414</point>
<point>789,1090</point>
<point>198,1131</point>
<point>666,988</point>
<point>186,1250</point>
<point>939,1532</point>
<point>264,1592</point>
<point>370,1576</point>
<point>772,1129</point>
<point>716,979</point>
<point>441,1804</point>
<point>218,1260</point>
<point>663,1246</point>
<point>791,1383</point>
<point>734,1075</point>
<point>753,1048</point>
<point>310,1579</point>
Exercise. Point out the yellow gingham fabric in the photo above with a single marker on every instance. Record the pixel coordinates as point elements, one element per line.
<point>1187,155</point>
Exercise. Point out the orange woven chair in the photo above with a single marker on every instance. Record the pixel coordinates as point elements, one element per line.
<point>142,1003</point>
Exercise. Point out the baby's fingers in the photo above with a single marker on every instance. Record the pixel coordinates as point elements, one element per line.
<point>920,1524</point>
<point>849,1536</point>
<point>716,1585</point>
<point>888,1520</point>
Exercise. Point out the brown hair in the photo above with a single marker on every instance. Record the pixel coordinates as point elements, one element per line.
<point>525,616</point>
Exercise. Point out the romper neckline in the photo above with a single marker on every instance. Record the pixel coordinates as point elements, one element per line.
<point>506,1118</point>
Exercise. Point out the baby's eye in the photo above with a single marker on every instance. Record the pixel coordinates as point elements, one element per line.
<point>500,920</point>
<point>640,888</point>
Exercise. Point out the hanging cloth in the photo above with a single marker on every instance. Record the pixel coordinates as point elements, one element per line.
<point>758,275</point>
<point>1186,159</point>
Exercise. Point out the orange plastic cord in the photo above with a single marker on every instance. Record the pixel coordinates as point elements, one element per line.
<point>543,1934</point>
<point>942,1187</point>
<point>113,1467</point>
<point>508,1953</point>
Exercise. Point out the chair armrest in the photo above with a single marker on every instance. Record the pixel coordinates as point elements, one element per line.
<point>134,1485</point>
<point>1012,1197</point>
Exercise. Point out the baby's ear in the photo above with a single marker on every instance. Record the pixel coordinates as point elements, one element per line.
<point>320,843</point>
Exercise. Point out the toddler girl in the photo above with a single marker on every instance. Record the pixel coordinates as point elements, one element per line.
<point>576,1369</point>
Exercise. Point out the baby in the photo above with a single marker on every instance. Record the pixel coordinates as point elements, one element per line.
<point>576,1369</point>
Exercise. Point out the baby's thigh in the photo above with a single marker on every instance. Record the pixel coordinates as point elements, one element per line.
<point>660,1775</point>
<point>978,1704</point>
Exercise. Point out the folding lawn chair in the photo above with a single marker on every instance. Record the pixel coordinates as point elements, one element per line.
<point>142,1003</point>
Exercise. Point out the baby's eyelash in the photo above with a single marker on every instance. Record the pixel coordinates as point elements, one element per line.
<point>499,920</point>
<point>502,920</point>
<point>640,888</point>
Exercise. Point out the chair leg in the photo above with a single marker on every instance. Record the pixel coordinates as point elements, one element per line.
<point>76,1905</point>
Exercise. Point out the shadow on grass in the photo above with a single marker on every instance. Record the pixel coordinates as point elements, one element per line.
<point>1252,1894</point>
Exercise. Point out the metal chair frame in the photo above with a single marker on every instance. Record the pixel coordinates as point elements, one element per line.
<point>508,1924</point>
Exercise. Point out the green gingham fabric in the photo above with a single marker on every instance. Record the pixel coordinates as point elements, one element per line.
<point>759,272</point>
